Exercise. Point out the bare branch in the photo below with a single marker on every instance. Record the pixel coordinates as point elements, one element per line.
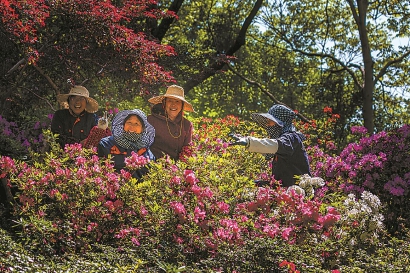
<point>38,96</point>
<point>50,81</point>
<point>333,58</point>
<point>22,61</point>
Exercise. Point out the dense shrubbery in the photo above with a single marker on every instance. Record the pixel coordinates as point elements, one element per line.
<point>379,164</point>
<point>16,141</point>
<point>204,214</point>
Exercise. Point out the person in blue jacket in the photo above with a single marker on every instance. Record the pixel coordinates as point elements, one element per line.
<point>131,132</point>
<point>284,145</point>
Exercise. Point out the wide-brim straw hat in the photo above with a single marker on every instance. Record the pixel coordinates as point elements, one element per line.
<point>78,90</point>
<point>176,92</point>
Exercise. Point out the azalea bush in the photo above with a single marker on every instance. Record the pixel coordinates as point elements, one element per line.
<point>17,141</point>
<point>202,213</point>
<point>320,132</point>
<point>379,164</point>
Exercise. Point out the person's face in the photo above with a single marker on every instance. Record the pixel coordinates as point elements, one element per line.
<point>133,125</point>
<point>77,104</point>
<point>173,107</point>
<point>270,122</point>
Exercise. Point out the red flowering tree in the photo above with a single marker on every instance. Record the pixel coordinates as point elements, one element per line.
<point>47,43</point>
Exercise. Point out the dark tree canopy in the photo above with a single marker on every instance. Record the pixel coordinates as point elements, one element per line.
<point>308,55</point>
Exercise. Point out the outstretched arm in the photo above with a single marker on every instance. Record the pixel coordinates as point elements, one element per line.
<point>263,145</point>
<point>257,145</point>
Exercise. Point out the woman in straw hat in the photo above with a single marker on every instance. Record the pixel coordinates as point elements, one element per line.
<point>73,125</point>
<point>172,130</point>
<point>284,145</point>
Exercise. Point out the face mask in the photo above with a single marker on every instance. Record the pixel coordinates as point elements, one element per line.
<point>274,131</point>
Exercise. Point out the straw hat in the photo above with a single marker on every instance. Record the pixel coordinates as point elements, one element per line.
<point>78,90</point>
<point>176,92</point>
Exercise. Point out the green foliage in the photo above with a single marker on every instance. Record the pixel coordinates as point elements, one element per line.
<point>202,213</point>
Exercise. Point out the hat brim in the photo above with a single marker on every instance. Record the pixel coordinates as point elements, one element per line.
<point>91,106</point>
<point>262,119</point>
<point>158,99</point>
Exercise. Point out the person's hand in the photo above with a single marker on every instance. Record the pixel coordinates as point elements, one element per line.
<point>239,140</point>
<point>103,121</point>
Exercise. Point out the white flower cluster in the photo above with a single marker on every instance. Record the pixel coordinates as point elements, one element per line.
<point>366,211</point>
<point>369,203</point>
<point>307,181</point>
<point>296,189</point>
<point>308,184</point>
<point>372,201</point>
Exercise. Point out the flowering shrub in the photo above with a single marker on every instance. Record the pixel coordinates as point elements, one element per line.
<point>203,211</point>
<point>379,164</point>
<point>320,132</point>
<point>368,210</point>
<point>17,141</point>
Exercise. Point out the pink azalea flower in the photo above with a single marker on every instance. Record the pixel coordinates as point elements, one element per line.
<point>178,239</point>
<point>176,180</point>
<point>199,214</point>
<point>135,241</point>
<point>178,207</point>
<point>80,160</point>
<point>190,177</point>
<point>135,161</point>
<point>53,192</point>
<point>286,232</point>
<point>143,211</point>
<point>91,226</point>
<point>223,207</point>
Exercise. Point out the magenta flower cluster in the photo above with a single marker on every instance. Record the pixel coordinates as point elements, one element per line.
<point>271,213</point>
<point>379,164</point>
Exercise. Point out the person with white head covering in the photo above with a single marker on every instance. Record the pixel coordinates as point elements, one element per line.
<point>284,145</point>
<point>131,132</point>
<point>172,130</point>
<point>74,123</point>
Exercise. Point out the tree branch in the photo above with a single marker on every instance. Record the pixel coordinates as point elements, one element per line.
<point>218,65</point>
<point>333,58</point>
<point>38,96</point>
<point>22,61</point>
<point>388,64</point>
<point>303,118</point>
<point>50,81</point>
<point>160,31</point>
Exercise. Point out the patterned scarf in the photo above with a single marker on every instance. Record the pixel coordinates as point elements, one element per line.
<point>129,140</point>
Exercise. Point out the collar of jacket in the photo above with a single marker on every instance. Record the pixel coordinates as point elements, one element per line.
<point>74,115</point>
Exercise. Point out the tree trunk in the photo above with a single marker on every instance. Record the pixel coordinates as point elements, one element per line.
<point>368,86</point>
